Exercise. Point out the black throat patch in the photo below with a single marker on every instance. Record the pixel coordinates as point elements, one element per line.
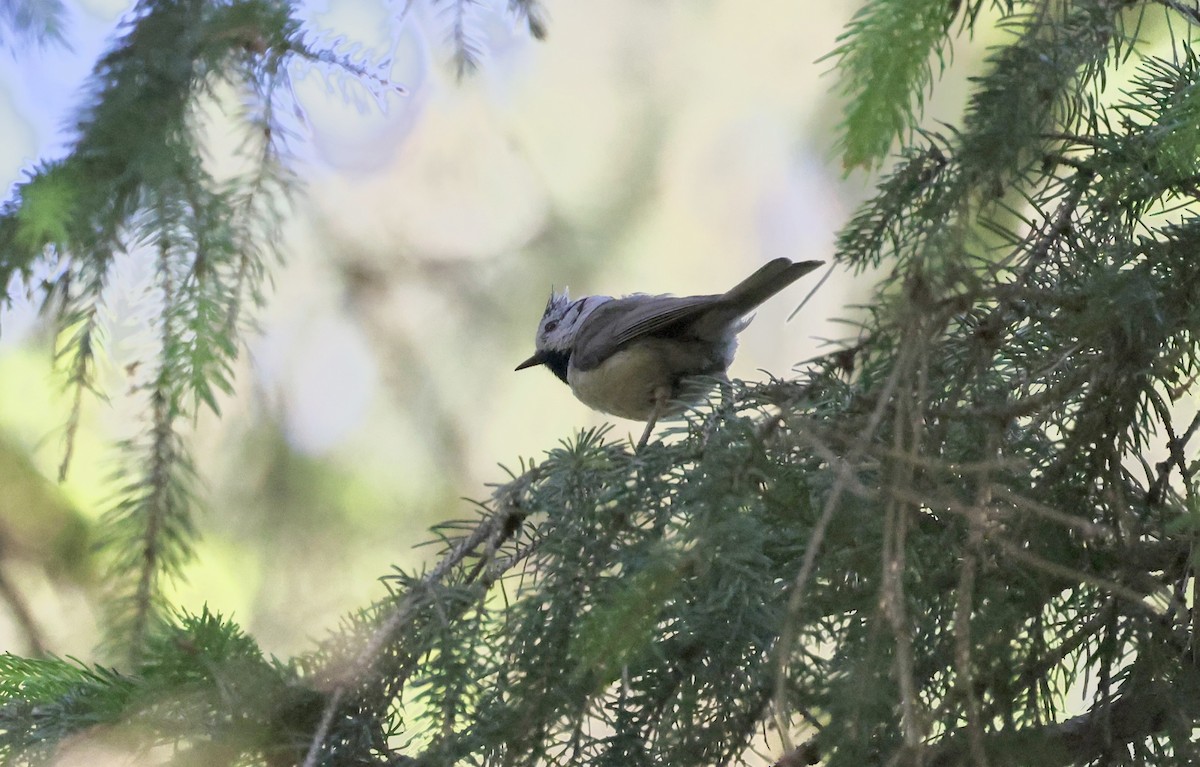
<point>557,361</point>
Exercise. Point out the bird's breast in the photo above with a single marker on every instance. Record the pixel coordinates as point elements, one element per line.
<point>627,383</point>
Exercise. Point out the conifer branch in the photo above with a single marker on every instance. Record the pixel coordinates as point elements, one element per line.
<point>466,49</point>
<point>501,523</point>
<point>912,550</point>
<point>81,329</point>
<point>40,21</point>
<point>884,56</point>
<point>796,598</point>
<point>534,15</point>
<point>1140,710</point>
<point>158,502</point>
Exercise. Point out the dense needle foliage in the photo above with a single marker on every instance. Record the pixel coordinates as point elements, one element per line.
<point>967,537</point>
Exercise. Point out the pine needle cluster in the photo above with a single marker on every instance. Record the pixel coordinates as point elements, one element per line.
<point>135,181</point>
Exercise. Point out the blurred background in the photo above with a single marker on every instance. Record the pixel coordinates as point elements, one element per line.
<point>642,147</point>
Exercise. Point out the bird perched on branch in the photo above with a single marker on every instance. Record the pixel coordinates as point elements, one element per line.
<point>639,356</point>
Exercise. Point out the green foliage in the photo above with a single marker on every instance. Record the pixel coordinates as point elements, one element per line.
<point>885,54</point>
<point>45,701</point>
<point>48,198</point>
<point>1038,83</point>
<point>610,636</point>
<point>143,184</point>
<point>635,569</point>
<point>136,182</point>
<point>201,684</point>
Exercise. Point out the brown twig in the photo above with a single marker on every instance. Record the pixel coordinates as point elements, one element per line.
<point>963,609</point>
<point>1076,576</point>
<point>1175,458</point>
<point>1137,711</point>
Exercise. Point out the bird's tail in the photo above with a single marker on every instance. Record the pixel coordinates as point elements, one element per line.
<point>771,278</point>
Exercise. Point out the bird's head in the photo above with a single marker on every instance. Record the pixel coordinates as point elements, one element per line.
<point>557,331</point>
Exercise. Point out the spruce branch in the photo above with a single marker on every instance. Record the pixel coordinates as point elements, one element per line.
<point>1141,709</point>
<point>128,182</point>
<point>149,529</point>
<point>504,518</point>
<point>38,21</point>
<point>1032,88</point>
<point>534,15</point>
<point>963,609</point>
<point>1175,459</point>
<point>795,602</point>
<point>905,556</point>
<point>201,685</point>
<point>80,335</point>
<point>884,57</point>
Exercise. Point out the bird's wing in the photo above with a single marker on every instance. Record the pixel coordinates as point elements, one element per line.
<point>616,323</point>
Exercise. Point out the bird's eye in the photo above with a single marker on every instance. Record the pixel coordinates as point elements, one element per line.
<point>551,325</point>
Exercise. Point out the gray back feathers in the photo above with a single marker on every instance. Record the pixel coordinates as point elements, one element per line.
<point>713,319</point>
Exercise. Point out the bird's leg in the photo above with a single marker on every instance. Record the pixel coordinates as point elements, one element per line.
<point>649,428</point>
<point>660,404</point>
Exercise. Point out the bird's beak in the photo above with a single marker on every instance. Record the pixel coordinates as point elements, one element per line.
<point>536,359</point>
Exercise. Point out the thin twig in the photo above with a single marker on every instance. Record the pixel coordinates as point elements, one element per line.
<point>1191,14</point>
<point>906,442</point>
<point>1083,632</point>
<point>1085,526</point>
<point>1076,576</point>
<point>1175,458</point>
<point>812,292</point>
<point>963,609</point>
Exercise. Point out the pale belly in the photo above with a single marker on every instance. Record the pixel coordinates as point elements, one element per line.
<point>628,383</point>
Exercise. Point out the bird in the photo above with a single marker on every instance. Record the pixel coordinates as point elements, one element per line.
<point>643,357</point>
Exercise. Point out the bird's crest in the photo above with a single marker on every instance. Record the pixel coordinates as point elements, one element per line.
<point>558,303</point>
